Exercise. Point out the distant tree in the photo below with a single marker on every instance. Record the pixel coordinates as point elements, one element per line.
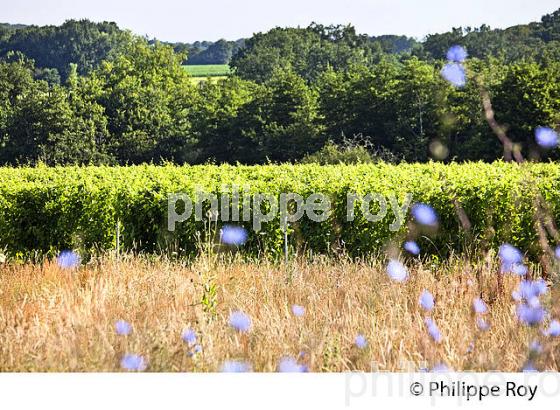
<point>528,97</point>
<point>283,120</point>
<point>147,98</point>
<point>218,53</point>
<point>82,42</point>
<point>308,52</point>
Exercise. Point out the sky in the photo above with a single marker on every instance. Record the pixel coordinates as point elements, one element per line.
<point>188,21</point>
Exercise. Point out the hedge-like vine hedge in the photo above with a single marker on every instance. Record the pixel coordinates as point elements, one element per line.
<point>49,209</point>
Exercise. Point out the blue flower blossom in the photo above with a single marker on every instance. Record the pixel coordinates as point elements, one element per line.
<point>457,54</point>
<point>235,366</point>
<point>482,324</point>
<point>553,329</point>
<point>433,330</point>
<point>424,215</point>
<point>426,300</point>
<point>360,341</point>
<point>546,137</point>
<point>189,336</point>
<point>455,74</point>
<point>123,328</point>
<point>530,315</point>
<point>441,368</point>
<point>412,248</point>
<point>479,306</point>
<point>529,290</point>
<point>397,271</point>
<point>240,321</point>
<point>234,235</point>
<point>535,347</point>
<point>68,259</point>
<point>509,256</point>
<point>290,365</point>
<point>298,310</point>
<point>133,362</point>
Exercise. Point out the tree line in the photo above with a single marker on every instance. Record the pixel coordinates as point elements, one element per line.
<point>294,93</point>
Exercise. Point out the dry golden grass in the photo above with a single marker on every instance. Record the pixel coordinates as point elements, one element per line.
<point>60,320</point>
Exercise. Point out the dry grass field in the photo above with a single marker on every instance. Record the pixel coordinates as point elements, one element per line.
<point>54,319</point>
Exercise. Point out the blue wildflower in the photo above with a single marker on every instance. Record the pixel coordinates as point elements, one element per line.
<point>360,341</point>
<point>535,347</point>
<point>235,366</point>
<point>546,137</point>
<point>553,329</point>
<point>479,306</point>
<point>482,324</point>
<point>123,328</point>
<point>424,214</point>
<point>509,256</point>
<point>412,248</point>
<point>455,74</point>
<point>530,314</point>
<point>397,271</point>
<point>290,365</point>
<point>519,269</point>
<point>189,336</point>
<point>68,259</point>
<point>240,321</point>
<point>234,235</point>
<point>529,290</point>
<point>298,310</point>
<point>133,362</point>
<point>441,368</point>
<point>457,54</point>
<point>426,300</point>
<point>433,330</point>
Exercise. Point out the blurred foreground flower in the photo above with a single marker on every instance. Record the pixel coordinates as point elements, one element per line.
<point>530,290</point>
<point>424,215</point>
<point>68,259</point>
<point>479,306</point>
<point>553,329</point>
<point>546,137</point>
<point>441,368</point>
<point>530,315</point>
<point>235,366</point>
<point>360,341</point>
<point>457,54</point>
<point>240,321</point>
<point>233,235</point>
<point>412,248</point>
<point>290,365</point>
<point>482,324</point>
<point>511,258</point>
<point>426,300</point>
<point>123,328</point>
<point>133,362</point>
<point>433,330</point>
<point>189,336</point>
<point>397,271</point>
<point>298,310</point>
<point>455,74</point>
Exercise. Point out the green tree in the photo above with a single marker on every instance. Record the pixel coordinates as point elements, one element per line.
<point>147,98</point>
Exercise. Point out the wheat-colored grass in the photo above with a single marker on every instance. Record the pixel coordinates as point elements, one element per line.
<point>64,320</point>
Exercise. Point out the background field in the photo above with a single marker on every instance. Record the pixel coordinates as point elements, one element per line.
<point>208,70</point>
